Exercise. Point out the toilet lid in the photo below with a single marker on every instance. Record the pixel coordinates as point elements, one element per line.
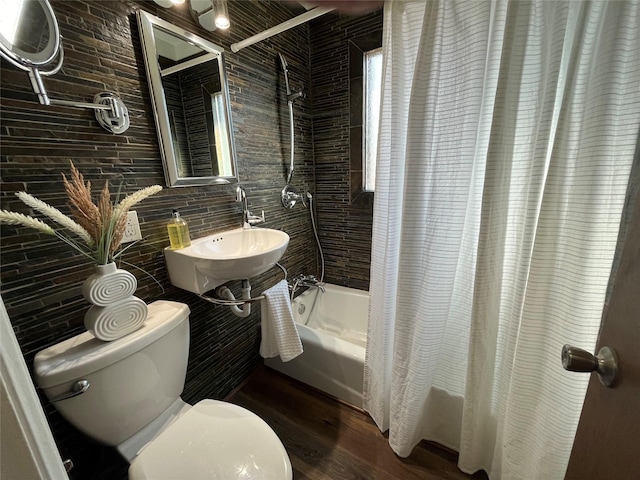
<point>214,440</point>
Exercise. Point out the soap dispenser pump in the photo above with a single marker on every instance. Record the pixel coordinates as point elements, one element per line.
<point>178,232</point>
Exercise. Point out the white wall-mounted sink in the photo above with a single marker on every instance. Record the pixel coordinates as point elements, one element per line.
<point>232,255</point>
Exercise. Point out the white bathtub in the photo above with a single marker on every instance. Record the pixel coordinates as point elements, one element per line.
<point>334,340</point>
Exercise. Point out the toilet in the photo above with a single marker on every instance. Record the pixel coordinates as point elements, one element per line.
<point>126,393</point>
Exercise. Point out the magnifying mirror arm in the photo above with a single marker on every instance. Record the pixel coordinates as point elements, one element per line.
<point>111,112</point>
<point>35,75</point>
<point>113,109</point>
<point>38,86</point>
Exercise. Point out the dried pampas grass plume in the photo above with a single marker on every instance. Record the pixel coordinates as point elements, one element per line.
<point>100,227</point>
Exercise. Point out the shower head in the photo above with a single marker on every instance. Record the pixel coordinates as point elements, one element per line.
<point>283,61</point>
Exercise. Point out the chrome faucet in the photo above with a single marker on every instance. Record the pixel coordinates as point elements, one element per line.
<point>248,219</point>
<point>305,281</point>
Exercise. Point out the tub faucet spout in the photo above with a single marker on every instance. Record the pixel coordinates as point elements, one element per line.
<point>305,281</point>
<point>312,281</point>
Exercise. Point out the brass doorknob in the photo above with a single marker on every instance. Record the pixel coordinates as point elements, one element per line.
<point>605,364</point>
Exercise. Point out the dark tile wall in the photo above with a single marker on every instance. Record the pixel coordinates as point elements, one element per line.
<point>344,211</point>
<point>41,277</point>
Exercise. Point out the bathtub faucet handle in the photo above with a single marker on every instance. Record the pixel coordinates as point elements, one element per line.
<point>307,281</point>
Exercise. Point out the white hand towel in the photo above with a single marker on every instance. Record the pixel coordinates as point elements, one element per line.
<point>279,334</point>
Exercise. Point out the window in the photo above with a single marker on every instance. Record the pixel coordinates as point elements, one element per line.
<point>360,47</point>
<point>372,79</point>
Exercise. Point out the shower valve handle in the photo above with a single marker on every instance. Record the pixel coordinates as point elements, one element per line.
<point>605,364</point>
<point>290,197</point>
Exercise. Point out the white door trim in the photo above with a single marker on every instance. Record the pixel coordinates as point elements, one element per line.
<point>33,442</point>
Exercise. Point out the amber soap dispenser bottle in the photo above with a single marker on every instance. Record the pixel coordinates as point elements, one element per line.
<point>178,232</point>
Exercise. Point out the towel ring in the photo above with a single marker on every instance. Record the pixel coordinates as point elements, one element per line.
<point>241,301</point>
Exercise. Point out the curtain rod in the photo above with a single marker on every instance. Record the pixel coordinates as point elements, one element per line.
<point>294,22</point>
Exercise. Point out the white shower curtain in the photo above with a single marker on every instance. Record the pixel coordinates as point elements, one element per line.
<point>508,131</point>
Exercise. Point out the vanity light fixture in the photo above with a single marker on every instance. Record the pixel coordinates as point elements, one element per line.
<point>222,14</point>
<point>210,14</point>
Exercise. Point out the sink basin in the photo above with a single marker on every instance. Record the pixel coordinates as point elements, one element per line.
<point>232,255</point>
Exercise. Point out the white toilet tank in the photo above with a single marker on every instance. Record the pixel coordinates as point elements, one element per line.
<point>132,380</point>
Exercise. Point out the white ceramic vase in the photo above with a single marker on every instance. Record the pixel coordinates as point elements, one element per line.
<point>115,311</point>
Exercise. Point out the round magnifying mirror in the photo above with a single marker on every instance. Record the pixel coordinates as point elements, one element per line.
<point>30,40</point>
<point>29,35</point>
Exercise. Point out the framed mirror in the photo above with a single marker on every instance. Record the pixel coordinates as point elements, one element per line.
<point>191,106</point>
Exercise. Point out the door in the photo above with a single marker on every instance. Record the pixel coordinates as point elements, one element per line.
<point>607,443</point>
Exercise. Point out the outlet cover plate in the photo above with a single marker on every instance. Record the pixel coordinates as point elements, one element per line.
<point>132,228</point>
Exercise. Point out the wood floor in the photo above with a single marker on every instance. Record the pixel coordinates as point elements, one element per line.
<point>328,440</point>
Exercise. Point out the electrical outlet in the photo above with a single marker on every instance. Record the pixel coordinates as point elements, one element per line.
<point>132,228</point>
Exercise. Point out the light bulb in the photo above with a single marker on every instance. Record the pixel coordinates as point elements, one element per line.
<point>222,22</point>
<point>222,15</point>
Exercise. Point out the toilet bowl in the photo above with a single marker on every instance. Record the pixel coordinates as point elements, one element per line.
<point>217,451</point>
<point>126,393</point>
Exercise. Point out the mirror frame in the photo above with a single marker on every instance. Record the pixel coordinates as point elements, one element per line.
<point>147,22</point>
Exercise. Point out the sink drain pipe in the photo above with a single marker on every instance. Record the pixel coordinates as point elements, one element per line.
<point>242,310</point>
